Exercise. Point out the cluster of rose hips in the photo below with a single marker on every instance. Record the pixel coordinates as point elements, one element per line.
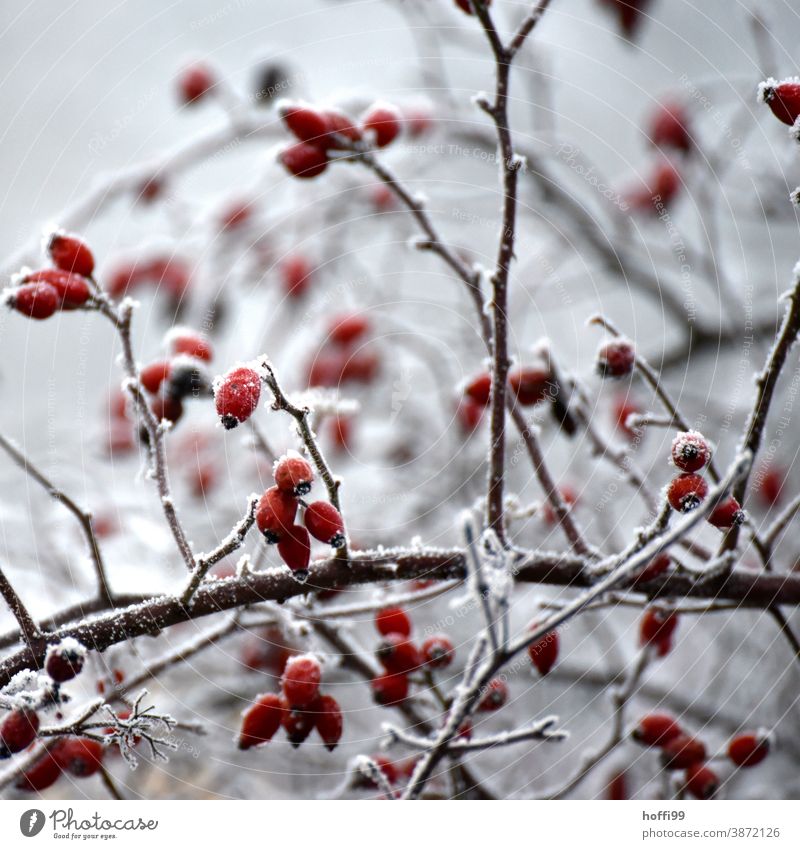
<point>180,376</point>
<point>276,515</point>
<point>691,452</point>
<point>76,756</point>
<point>168,274</point>
<point>668,131</point>
<point>323,131</point>
<point>400,657</point>
<point>40,294</point>
<point>299,709</point>
<point>342,358</point>
<point>682,751</point>
<point>528,385</point>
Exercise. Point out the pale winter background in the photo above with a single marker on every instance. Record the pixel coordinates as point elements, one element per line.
<point>88,88</point>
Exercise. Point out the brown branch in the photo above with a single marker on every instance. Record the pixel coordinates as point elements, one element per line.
<point>746,587</point>
<point>28,629</point>
<point>233,542</point>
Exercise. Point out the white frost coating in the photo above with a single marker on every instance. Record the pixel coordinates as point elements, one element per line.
<point>68,645</point>
<point>8,296</point>
<point>766,90</point>
<point>688,442</point>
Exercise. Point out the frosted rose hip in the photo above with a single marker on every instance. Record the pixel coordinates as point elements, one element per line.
<point>236,396</point>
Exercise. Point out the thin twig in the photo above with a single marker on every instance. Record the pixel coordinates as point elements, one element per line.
<point>84,517</point>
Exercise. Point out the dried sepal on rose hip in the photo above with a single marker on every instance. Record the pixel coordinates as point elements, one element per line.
<point>18,730</point>
<point>294,547</point>
<point>300,680</point>
<point>690,451</point>
<point>437,651</point>
<point>544,652</point>
<point>783,98</point>
<point>727,514</point>
<point>275,514</point>
<point>293,474</point>
<point>494,696</point>
<point>298,724</point>
<point>686,492</point>
<point>656,729</point>
<point>329,721</point>
<point>69,253</point>
<point>64,661</point>
<point>34,300</point>
<point>749,748</point>
<point>236,395</point>
<point>261,721</point>
<point>616,358</point>
<point>73,290</point>
<point>324,522</point>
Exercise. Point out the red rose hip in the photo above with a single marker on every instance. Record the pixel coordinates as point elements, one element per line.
<point>324,522</point>
<point>34,300</point>
<point>261,721</point>
<point>70,254</point>
<point>236,395</point>
<point>293,474</point>
<point>686,492</point>
<point>18,730</point>
<point>300,681</point>
<point>275,514</point>
<point>690,451</point>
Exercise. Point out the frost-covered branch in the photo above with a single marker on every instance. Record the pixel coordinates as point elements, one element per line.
<point>231,543</point>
